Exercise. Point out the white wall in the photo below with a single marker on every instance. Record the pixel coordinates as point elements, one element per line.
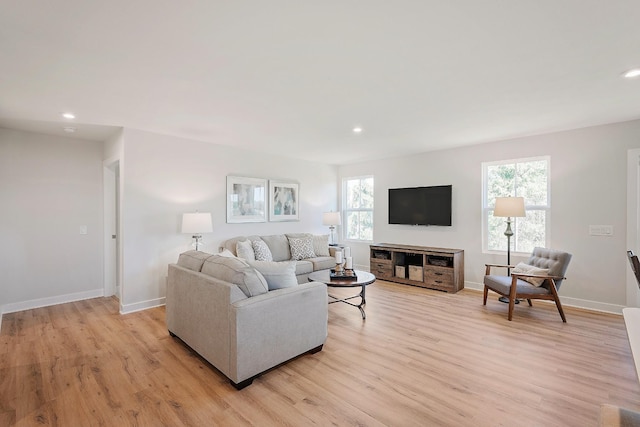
<point>49,187</point>
<point>164,177</point>
<point>588,186</point>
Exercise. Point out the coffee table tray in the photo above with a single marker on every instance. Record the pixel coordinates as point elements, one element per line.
<point>344,275</point>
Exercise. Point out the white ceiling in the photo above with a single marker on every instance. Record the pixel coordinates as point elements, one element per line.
<point>296,76</point>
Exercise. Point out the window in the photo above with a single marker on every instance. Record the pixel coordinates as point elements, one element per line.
<point>528,178</point>
<point>357,208</point>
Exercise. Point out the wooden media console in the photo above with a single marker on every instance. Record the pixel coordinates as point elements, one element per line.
<point>433,268</point>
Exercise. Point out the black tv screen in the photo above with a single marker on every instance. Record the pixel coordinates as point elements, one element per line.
<point>420,205</point>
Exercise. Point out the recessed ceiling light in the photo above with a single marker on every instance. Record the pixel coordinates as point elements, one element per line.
<point>69,129</point>
<point>632,73</point>
<point>357,129</point>
<point>68,115</point>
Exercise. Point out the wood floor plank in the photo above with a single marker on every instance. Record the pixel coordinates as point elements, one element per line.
<point>421,357</point>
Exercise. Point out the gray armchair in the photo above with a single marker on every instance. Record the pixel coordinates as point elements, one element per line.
<point>518,286</point>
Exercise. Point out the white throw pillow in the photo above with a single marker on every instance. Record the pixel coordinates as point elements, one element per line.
<point>261,251</point>
<point>530,269</point>
<point>244,250</point>
<point>321,245</point>
<point>227,253</point>
<point>277,274</point>
<point>301,248</point>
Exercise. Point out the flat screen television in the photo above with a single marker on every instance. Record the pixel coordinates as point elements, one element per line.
<point>420,205</point>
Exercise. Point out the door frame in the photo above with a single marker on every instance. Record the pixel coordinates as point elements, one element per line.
<point>112,205</point>
<point>633,222</point>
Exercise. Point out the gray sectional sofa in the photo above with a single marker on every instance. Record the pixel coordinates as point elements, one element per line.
<point>244,319</point>
<point>280,246</point>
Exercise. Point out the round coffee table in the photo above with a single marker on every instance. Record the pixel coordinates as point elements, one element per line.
<point>364,279</point>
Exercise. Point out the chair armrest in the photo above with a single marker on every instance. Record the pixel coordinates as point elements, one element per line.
<point>538,276</point>
<point>551,280</point>
<point>489,266</point>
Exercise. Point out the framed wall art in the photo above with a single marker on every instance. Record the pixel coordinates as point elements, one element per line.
<point>246,199</point>
<point>284,201</point>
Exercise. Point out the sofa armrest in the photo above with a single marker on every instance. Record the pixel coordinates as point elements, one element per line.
<point>197,311</point>
<point>271,328</point>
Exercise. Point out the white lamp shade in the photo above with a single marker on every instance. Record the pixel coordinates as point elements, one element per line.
<point>331,218</point>
<point>509,207</point>
<point>195,223</point>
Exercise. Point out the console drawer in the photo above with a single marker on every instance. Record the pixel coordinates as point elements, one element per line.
<point>381,270</point>
<point>438,276</point>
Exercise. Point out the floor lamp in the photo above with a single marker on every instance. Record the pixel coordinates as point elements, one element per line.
<point>508,207</point>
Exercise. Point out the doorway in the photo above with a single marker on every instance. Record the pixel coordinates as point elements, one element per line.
<point>112,267</point>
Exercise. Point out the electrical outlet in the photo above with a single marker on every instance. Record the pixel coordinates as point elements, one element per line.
<point>601,230</point>
<point>83,229</point>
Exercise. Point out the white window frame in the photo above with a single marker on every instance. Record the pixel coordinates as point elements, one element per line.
<point>344,211</point>
<point>487,210</point>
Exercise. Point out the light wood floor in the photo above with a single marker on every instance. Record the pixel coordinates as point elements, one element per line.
<point>422,358</point>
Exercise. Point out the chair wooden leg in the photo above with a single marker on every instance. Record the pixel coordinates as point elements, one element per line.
<point>513,290</point>
<point>554,292</point>
<point>486,291</point>
<point>559,305</point>
<point>529,301</point>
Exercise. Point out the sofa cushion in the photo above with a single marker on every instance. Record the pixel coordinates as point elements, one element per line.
<point>303,267</point>
<point>298,235</point>
<point>530,269</point>
<point>261,251</point>
<point>238,272</point>
<point>322,262</point>
<point>321,245</point>
<point>244,250</point>
<point>278,274</point>
<point>192,260</point>
<point>301,247</point>
<point>503,284</point>
<point>279,247</point>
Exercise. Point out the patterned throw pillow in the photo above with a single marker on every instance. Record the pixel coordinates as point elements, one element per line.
<point>261,251</point>
<point>301,248</point>
<point>321,245</point>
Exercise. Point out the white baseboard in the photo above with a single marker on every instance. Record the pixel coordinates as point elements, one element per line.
<point>45,302</point>
<point>568,301</point>
<point>142,305</point>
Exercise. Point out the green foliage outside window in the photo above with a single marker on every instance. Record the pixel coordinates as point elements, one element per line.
<point>524,178</point>
<point>358,208</point>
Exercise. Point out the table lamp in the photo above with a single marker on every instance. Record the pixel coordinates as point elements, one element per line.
<point>196,224</point>
<point>331,219</point>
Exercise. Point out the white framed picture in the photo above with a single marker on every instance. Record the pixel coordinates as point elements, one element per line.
<point>246,199</point>
<point>284,201</point>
